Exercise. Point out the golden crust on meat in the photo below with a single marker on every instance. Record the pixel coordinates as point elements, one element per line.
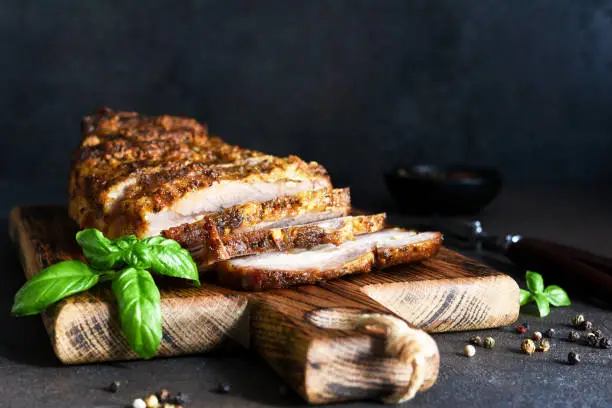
<point>130,165</point>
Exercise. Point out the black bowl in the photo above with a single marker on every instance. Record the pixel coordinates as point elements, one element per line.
<point>444,190</point>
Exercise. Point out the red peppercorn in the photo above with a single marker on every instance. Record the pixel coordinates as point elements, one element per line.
<point>521,329</point>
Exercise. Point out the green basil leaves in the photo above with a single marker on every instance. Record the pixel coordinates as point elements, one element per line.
<point>543,297</point>
<point>140,310</point>
<point>137,295</point>
<point>53,284</point>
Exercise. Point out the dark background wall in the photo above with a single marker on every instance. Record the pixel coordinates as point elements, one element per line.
<point>360,86</point>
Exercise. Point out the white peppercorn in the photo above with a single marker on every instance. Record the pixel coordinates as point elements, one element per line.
<point>469,350</point>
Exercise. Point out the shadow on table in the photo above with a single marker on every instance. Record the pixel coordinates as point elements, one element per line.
<point>22,339</point>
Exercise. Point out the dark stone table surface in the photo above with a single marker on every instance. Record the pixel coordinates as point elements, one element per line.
<point>31,376</point>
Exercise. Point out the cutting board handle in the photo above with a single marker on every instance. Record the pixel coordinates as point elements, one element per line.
<point>330,353</point>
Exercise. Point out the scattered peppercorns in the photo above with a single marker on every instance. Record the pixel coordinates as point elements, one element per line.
<point>476,340</point>
<point>224,388</point>
<point>536,336</point>
<point>469,350</point>
<point>586,325</point>
<point>543,345</point>
<point>573,358</point>
<point>592,340</point>
<point>521,329</point>
<point>113,387</point>
<point>577,321</point>
<point>152,401</point>
<point>528,346</point>
<point>605,343</point>
<point>573,336</point>
<point>139,403</point>
<point>489,342</point>
<point>550,333</point>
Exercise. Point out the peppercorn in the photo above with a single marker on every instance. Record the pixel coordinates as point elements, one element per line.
<point>168,405</point>
<point>536,336</point>
<point>163,395</point>
<point>521,329</point>
<point>597,333</point>
<point>469,350</point>
<point>573,336</point>
<point>489,342</point>
<point>139,403</point>
<point>152,401</point>
<point>592,340</point>
<point>586,325</point>
<point>577,321</point>
<point>543,345</point>
<point>550,333</point>
<point>605,343</point>
<point>182,399</point>
<point>528,346</point>
<point>573,358</point>
<point>476,340</point>
<point>526,324</point>
<point>113,387</point>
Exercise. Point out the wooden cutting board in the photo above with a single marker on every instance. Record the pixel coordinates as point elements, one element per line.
<point>337,341</point>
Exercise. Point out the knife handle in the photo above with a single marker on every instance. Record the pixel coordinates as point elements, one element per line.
<point>574,267</point>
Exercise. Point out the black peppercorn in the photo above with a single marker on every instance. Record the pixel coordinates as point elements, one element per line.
<point>180,398</point>
<point>605,343</point>
<point>113,387</point>
<point>597,333</point>
<point>573,358</point>
<point>592,340</point>
<point>586,325</point>
<point>476,340</point>
<point>224,388</point>
<point>573,336</point>
<point>550,333</point>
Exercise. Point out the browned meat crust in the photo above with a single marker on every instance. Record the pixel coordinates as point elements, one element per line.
<point>197,234</point>
<point>255,279</point>
<point>131,165</point>
<point>232,245</point>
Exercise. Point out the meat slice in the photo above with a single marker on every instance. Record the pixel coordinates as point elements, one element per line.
<point>367,252</point>
<point>253,241</point>
<point>283,211</point>
<point>137,174</point>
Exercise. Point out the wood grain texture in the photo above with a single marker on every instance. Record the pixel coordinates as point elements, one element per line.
<point>85,328</point>
<point>337,341</point>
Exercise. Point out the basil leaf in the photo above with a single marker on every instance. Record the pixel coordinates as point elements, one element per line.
<point>140,310</point>
<point>98,249</point>
<point>138,256</point>
<point>557,296</point>
<point>125,242</point>
<point>169,258</point>
<point>535,282</point>
<point>543,305</point>
<point>53,284</point>
<point>526,297</point>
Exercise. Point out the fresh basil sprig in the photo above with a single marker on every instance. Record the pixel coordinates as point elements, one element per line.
<point>543,297</point>
<point>137,295</point>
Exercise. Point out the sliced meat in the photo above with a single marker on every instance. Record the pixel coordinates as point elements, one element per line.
<point>335,231</point>
<point>136,174</point>
<point>370,251</point>
<point>284,211</point>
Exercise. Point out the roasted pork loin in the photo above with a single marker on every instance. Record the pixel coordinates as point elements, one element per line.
<point>136,174</point>
<point>220,246</point>
<point>367,252</point>
<point>260,221</point>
